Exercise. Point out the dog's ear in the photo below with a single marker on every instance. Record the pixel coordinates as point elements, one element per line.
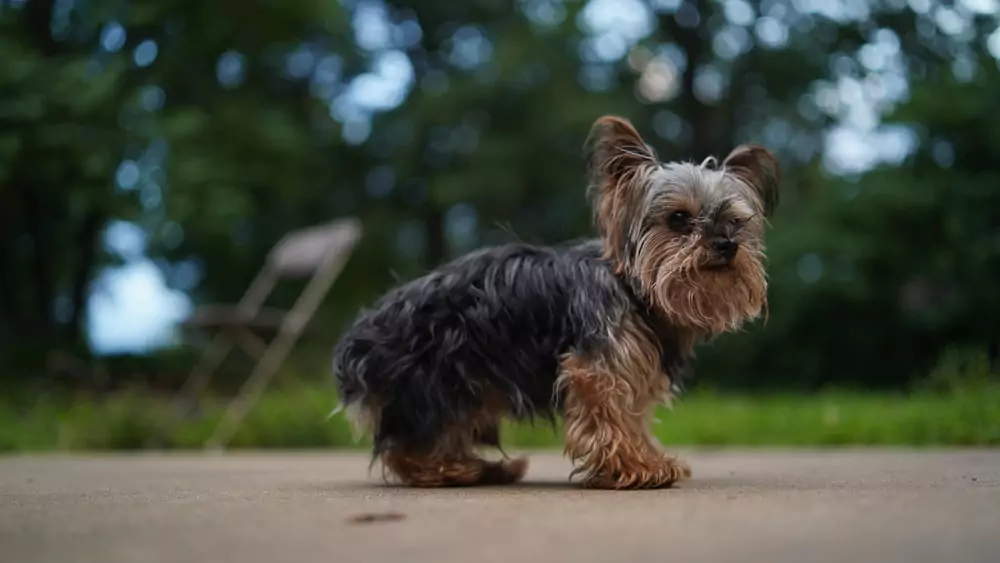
<point>617,160</point>
<point>614,151</point>
<point>759,169</point>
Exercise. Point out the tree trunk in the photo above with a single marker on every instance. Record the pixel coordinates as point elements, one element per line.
<point>38,17</point>
<point>11,313</point>
<point>37,225</point>
<point>83,273</point>
<point>38,20</point>
<point>437,250</point>
<point>712,128</point>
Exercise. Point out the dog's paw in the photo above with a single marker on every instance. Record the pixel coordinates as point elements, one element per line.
<point>655,474</point>
<point>504,472</point>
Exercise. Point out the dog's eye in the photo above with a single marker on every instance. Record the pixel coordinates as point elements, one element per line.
<point>678,220</point>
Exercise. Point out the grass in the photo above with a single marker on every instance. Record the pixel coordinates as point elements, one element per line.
<point>297,418</point>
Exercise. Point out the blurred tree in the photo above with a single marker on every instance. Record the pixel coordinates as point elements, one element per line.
<point>60,97</point>
<point>876,277</point>
<point>120,111</point>
<point>218,127</point>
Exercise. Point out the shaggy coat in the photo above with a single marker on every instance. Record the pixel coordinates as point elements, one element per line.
<point>596,331</point>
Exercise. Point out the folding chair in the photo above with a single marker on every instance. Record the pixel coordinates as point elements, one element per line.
<point>318,252</point>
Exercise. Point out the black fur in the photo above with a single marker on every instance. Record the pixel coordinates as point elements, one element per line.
<point>499,317</point>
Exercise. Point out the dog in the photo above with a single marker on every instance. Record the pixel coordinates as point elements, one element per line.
<point>595,331</point>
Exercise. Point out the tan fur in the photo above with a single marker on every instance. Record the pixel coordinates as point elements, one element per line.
<point>691,295</point>
<point>455,470</point>
<point>673,268</point>
<point>609,395</point>
<point>608,406</point>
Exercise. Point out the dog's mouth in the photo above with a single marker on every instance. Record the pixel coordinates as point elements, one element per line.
<point>718,265</point>
<point>718,262</point>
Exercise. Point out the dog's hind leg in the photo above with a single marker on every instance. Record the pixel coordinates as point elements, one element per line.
<point>452,470</point>
<point>451,461</point>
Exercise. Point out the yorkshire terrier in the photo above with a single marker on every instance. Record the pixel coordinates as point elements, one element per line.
<point>596,331</point>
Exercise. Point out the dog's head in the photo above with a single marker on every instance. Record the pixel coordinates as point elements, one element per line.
<point>689,236</point>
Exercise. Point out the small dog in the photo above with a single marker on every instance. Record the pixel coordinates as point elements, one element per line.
<point>597,331</point>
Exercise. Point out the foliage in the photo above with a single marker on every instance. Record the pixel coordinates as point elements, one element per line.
<point>216,129</point>
<point>297,417</point>
<point>909,259</point>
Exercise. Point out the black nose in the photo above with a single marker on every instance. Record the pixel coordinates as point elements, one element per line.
<point>726,248</point>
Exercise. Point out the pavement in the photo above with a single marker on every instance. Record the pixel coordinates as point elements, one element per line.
<point>741,505</point>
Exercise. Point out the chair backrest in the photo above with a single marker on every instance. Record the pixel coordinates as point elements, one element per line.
<point>301,253</point>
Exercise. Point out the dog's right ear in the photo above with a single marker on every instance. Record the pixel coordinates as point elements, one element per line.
<point>759,169</point>
<point>614,151</point>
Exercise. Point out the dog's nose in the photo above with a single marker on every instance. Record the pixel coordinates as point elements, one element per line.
<point>725,247</point>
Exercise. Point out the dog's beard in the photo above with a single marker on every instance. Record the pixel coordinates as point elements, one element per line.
<point>682,281</point>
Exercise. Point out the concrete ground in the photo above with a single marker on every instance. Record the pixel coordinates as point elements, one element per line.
<point>774,506</point>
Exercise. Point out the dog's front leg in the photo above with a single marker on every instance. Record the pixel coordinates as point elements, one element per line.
<point>606,429</point>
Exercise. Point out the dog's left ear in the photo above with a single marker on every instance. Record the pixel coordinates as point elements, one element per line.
<point>758,168</point>
<point>616,158</point>
<point>614,149</point>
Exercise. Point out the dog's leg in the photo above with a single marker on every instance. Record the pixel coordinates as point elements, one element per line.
<point>452,462</point>
<point>606,428</point>
<point>416,470</point>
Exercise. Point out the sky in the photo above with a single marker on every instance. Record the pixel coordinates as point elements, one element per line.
<point>133,310</point>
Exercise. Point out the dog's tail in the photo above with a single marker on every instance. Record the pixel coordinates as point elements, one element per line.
<point>357,401</point>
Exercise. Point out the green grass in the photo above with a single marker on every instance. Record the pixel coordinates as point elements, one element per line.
<point>297,418</point>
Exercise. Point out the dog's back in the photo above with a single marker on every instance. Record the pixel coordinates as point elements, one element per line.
<point>488,326</point>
